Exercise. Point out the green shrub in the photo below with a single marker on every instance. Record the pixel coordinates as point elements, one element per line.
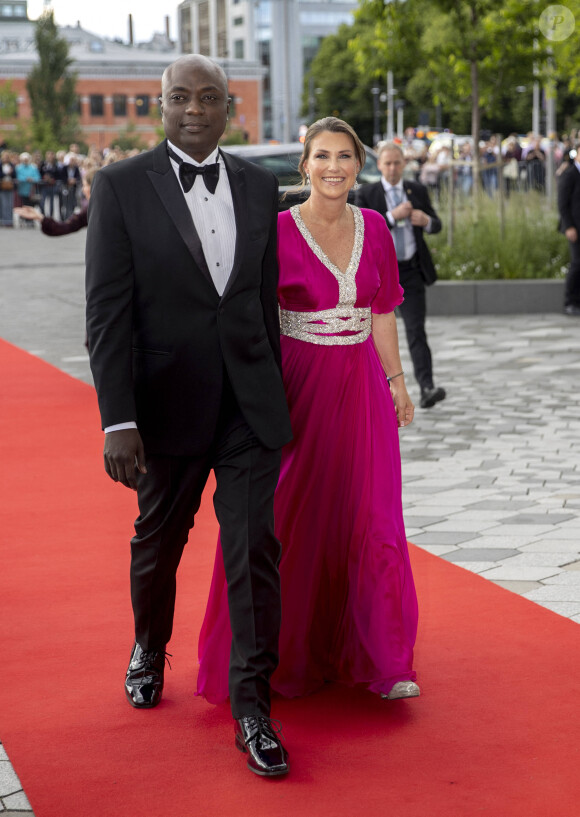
<point>531,246</point>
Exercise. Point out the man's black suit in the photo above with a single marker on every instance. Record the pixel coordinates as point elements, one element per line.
<point>413,275</point>
<point>200,374</point>
<point>569,209</point>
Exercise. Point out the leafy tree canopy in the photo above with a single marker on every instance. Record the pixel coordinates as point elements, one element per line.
<point>51,83</point>
<point>476,59</point>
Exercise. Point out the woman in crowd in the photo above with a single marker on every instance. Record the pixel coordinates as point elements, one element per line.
<point>71,225</point>
<point>27,175</point>
<point>348,597</point>
<point>7,185</point>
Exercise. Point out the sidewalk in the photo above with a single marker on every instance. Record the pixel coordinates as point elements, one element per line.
<point>491,476</point>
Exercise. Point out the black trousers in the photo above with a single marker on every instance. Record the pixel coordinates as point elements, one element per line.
<point>413,310</point>
<point>572,289</point>
<point>169,496</point>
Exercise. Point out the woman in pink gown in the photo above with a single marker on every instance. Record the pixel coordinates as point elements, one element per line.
<point>349,608</point>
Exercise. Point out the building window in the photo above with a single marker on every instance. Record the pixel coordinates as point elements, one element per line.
<point>203,28</point>
<point>142,104</point>
<point>119,105</point>
<point>75,105</point>
<point>97,105</point>
<point>238,21</point>
<point>222,29</point>
<point>11,10</point>
<point>332,19</point>
<point>239,49</point>
<point>185,29</point>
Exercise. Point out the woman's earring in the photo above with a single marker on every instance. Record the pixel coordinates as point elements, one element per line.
<point>356,185</point>
<point>308,178</point>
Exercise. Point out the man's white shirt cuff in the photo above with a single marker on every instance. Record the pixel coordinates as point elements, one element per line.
<point>120,427</point>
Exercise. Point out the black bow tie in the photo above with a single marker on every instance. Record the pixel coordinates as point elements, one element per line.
<point>189,172</point>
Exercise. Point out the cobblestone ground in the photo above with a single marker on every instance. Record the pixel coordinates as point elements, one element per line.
<point>491,477</point>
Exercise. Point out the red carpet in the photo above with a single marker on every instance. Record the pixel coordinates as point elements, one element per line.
<point>495,732</point>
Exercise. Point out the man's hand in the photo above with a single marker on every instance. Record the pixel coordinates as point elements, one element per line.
<point>419,218</point>
<point>124,455</point>
<point>572,234</point>
<point>402,210</point>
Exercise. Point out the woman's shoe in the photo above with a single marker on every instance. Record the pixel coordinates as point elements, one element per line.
<point>404,689</point>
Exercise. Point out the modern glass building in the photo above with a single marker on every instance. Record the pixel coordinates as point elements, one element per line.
<point>283,35</point>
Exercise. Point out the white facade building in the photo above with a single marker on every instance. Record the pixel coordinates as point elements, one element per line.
<point>284,35</point>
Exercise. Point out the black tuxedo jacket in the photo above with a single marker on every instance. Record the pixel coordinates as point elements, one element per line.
<point>569,198</point>
<point>159,334</point>
<point>373,197</point>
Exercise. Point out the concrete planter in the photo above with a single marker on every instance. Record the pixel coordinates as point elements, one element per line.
<point>495,297</point>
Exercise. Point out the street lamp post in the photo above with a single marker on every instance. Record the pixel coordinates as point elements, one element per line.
<point>376,125</point>
<point>391,93</point>
<point>400,110</point>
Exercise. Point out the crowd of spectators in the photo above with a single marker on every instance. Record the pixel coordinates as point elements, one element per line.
<point>520,161</point>
<point>51,182</point>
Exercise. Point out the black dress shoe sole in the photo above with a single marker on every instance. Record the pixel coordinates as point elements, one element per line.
<point>429,402</point>
<point>261,772</point>
<point>142,706</point>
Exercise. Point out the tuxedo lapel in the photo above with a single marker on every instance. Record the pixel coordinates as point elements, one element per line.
<point>379,201</point>
<point>237,179</point>
<point>167,187</point>
<point>411,194</point>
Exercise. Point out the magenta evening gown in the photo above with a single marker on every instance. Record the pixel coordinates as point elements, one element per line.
<point>349,608</point>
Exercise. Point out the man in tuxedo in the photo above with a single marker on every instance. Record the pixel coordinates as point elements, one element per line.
<point>183,334</point>
<point>569,209</point>
<point>409,213</point>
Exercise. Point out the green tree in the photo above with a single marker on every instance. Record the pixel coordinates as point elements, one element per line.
<point>334,86</point>
<point>8,101</point>
<point>465,55</point>
<point>129,139</point>
<point>51,85</point>
<point>566,53</point>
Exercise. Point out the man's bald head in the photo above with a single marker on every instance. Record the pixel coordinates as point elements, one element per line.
<point>194,62</point>
<point>194,104</point>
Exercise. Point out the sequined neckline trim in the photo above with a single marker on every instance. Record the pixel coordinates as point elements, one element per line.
<point>346,280</point>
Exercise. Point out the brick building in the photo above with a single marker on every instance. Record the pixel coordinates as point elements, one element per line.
<point>118,84</point>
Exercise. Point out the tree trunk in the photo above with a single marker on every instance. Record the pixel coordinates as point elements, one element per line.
<point>475,125</point>
<point>475,114</point>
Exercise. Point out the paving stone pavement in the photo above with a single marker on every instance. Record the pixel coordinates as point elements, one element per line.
<point>491,476</point>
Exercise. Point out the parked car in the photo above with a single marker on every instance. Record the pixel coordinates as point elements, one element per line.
<point>283,161</point>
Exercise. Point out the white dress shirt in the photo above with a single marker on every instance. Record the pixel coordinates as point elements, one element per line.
<point>213,216</point>
<point>410,243</point>
<point>215,222</point>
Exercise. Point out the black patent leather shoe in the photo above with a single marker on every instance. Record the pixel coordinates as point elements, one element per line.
<point>144,679</point>
<point>256,736</point>
<point>431,396</point>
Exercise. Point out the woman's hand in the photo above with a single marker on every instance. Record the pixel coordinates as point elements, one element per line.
<point>30,213</point>
<point>403,404</point>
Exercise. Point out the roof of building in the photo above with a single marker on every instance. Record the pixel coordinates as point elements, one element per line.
<point>98,56</point>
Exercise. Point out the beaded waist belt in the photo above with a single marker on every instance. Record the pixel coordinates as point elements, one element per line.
<point>323,327</point>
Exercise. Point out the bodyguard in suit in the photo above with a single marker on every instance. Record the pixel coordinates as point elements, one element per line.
<point>569,209</point>
<point>183,333</point>
<point>409,213</point>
